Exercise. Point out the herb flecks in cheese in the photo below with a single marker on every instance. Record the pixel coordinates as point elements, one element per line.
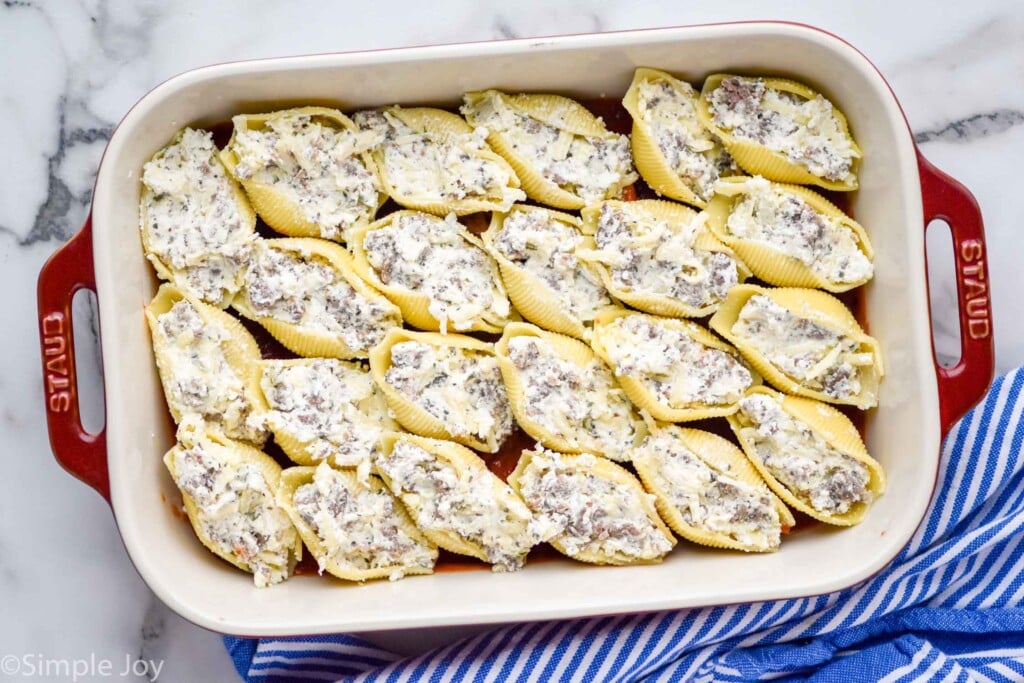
<point>590,167</point>
<point>657,258</point>
<point>689,149</point>
<point>535,242</point>
<point>315,165</point>
<point>829,481</point>
<point>679,370</point>
<point>463,502</point>
<point>806,132</point>
<point>330,406</point>
<point>787,223</point>
<point>306,290</point>
<point>581,404</point>
<point>236,509</point>
<point>709,497</point>
<point>816,356</point>
<point>431,256</point>
<point>590,513</point>
<point>191,218</point>
<point>197,376</point>
<point>360,528</point>
<point>460,387</point>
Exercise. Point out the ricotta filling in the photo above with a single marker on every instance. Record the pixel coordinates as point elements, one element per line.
<point>360,528</point>
<point>430,167</point>
<point>237,510</point>
<point>589,513</point>
<point>198,378</point>
<point>816,356</point>
<point>690,150</point>
<point>653,257</point>
<point>316,166</point>
<point>709,498</point>
<point>788,224</point>
<point>547,249</point>
<point>582,404</point>
<point>333,408</point>
<point>592,168</point>
<point>192,220</point>
<point>430,256</point>
<point>829,481</point>
<point>306,290</point>
<point>806,132</point>
<point>676,368</point>
<point>462,388</point>
<point>465,503</point>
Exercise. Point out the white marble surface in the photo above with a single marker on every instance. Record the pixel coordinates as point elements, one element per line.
<point>69,69</point>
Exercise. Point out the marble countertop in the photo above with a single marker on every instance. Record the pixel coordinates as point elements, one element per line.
<point>72,68</point>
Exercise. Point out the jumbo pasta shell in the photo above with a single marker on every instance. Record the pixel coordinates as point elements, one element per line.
<point>305,340</point>
<point>638,391</point>
<point>411,416</point>
<point>756,159</point>
<point>819,307</point>
<point>838,432</point>
<point>294,477</point>
<point>768,263</point>
<point>446,125</point>
<point>675,215</point>
<point>531,296</point>
<point>460,459</point>
<point>278,208</point>
<point>166,271</point>
<point>194,432</point>
<point>721,456</point>
<point>554,110</point>
<point>610,471</point>
<point>570,438</point>
<point>651,163</point>
<point>240,352</point>
<point>414,304</point>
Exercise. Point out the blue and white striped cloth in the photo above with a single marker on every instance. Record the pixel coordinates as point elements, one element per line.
<point>950,607</point>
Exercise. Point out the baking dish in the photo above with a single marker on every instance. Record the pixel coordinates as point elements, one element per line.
<point>900,193</point>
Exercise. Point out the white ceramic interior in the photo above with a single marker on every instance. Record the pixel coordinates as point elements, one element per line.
<point>903,433</point>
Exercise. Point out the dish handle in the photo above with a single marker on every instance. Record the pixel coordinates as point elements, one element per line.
<point>962,385</point>
<point>70,269</point>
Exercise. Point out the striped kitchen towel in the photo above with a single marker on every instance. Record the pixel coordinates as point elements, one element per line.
<point>950,607</point>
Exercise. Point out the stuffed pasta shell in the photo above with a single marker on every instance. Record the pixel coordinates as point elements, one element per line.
<point>228,489</point>
<point>353,526</point>
<point>457,502</point>
<point>598,512</point>
<point>707,491</point>
<point>207,364</point>
<point>305,171</point>
<point>660,257</point>
<point>564,396</point>
<point>673,152</point>
<point>305,292</point>
<point>196,224</point>
<point>781,129</point>
<point>674,369</point>
<point>435,271</point>
<point>325,410</point>
<point>804,342</point>
<point>547,283</point>
<point>564,156</point>
<point>444,387</point>
<point>810,454</point>
<point>433,161</point>
<point>790,236</point>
